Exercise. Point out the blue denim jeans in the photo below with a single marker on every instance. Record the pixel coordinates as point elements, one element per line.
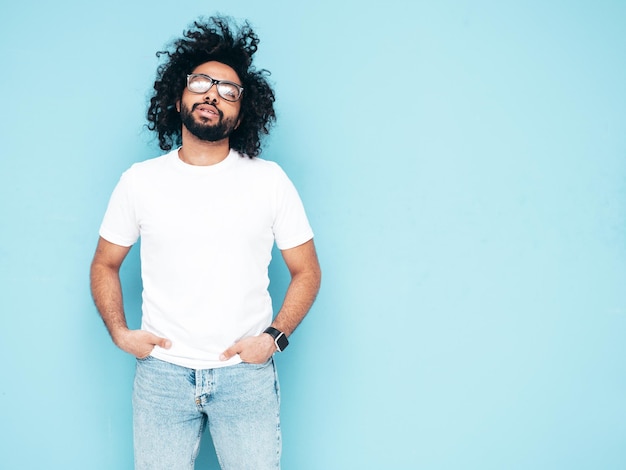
<point>173,405</point>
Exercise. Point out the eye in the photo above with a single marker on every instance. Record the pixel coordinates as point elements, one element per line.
<point>198,84</point>
<point>228,91</point>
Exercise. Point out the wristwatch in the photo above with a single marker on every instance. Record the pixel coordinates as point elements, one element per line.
<point>280,338</point>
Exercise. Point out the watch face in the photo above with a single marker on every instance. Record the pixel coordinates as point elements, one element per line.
<point>282,342</point>
<point>280,339</point>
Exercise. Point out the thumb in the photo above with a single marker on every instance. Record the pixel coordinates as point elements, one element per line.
<point>230,352</point>
<point>161,342</point>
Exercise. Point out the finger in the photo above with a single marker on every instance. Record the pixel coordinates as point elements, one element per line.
<point>161,342</point>
<point>230,352</point>
<point>164,343</point>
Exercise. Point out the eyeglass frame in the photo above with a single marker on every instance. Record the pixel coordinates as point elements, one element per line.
<point>214,82</point>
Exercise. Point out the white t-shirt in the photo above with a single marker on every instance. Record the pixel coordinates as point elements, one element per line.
<point>206,238</point>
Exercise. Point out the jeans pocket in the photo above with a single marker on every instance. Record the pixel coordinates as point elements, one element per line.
<point>253,366</point>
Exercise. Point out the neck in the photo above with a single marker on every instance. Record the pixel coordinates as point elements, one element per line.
<point>201,152</point>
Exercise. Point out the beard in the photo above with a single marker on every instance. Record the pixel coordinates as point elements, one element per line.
<point>204,131</point>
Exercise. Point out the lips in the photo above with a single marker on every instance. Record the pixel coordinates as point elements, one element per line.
<point>207,110</point>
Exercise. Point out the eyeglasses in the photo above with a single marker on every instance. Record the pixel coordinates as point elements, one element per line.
<point>200,83</point>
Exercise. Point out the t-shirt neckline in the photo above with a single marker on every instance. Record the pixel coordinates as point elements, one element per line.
<point>202,169</point>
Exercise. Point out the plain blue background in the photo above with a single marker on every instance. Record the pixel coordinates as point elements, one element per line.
<point>463,166</point>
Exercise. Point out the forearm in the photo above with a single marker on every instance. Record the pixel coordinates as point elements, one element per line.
<point>106,291</point>
<point>299,298</point>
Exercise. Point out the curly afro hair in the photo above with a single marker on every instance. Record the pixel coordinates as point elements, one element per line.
<point>205,41</point>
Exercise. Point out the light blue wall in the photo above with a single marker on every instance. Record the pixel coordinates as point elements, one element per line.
<point>464,167</point>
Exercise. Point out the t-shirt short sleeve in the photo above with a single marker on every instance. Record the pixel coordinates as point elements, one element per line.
<point>291,225</point>
<point>120,225</point>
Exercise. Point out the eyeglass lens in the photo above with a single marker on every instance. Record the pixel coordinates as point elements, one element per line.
<point>202,84</point>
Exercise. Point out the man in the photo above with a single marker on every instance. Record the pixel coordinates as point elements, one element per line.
<point>208,213</point>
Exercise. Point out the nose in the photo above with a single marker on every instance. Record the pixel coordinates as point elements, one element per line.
<point>211,95</point>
